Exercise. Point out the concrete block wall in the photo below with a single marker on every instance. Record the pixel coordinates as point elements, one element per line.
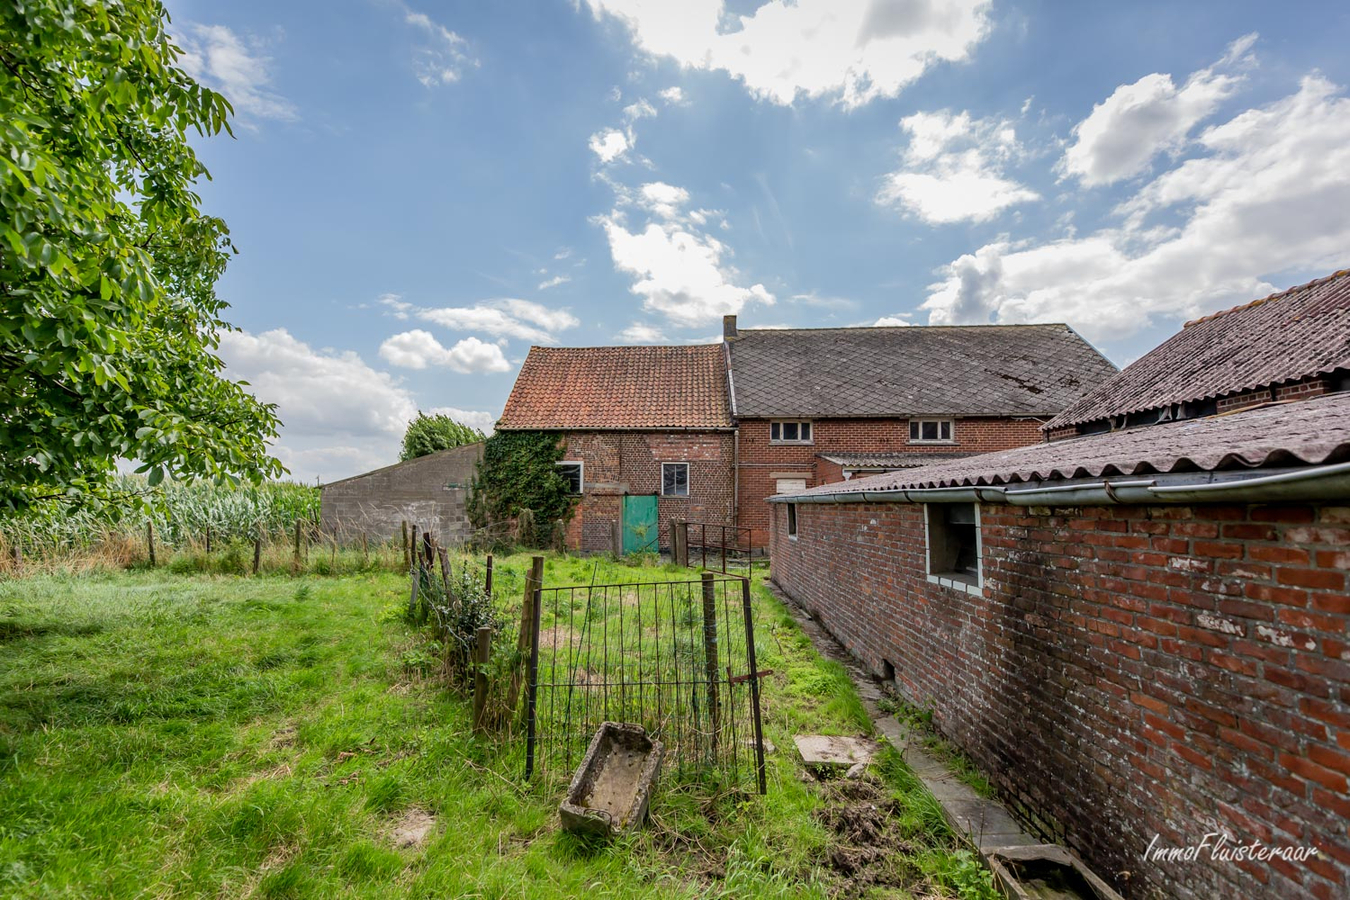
<point>761,463</point>
<point>430,491</point>
<point>1127,673</point>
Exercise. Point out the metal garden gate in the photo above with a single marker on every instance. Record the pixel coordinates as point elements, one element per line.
<point>676,657</point>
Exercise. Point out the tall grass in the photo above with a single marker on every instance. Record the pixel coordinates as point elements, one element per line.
<point>181,515</point>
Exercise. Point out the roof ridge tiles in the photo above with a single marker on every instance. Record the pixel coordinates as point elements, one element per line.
<point>1316,282</point>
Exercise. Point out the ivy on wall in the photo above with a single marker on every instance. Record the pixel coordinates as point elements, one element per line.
<point>518,472</point>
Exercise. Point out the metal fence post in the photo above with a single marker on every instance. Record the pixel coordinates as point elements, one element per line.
<point>532,686</point>
<point>710,657</point>
<point>754,683</point>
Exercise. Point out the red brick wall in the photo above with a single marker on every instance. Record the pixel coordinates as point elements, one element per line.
<point>630,462</point>
<point>760,460</point>
<point>1129,671</point>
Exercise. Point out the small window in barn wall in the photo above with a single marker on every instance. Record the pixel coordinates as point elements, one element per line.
<point>953,534</point>
<point>675,479</point>
<point>792,521</point>
<point>798,432</point>
<point>572,473</point>
<point>931,431</point>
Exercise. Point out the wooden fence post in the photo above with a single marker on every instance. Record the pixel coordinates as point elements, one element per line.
<point>296,564</point>
<point>616,537</point>
<point>524,643</point>
<point>208,539</point>
<point>487,579</point>
<point>257,548</point>
<point>150,541</point>
<point>480,679</point>
<point>407,562</point>
<point>710,655</point>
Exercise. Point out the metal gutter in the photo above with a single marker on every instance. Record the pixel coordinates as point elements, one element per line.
<point>1329,482</point>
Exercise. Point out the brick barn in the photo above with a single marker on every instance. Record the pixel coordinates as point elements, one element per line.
<point>647,431</point>
<point>1140,631</point>
<point>817,405</point>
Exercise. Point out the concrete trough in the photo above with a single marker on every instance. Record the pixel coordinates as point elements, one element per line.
<point>613,785</point>
<point>1045,872</point>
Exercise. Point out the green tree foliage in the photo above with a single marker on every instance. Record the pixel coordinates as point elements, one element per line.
<point>428,434</point>
<point>519,471</point>
<point>110,322</point>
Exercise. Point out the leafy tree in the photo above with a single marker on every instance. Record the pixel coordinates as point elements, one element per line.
<point>519,471</point>
<point>428,434</point>
<point>110,322</point>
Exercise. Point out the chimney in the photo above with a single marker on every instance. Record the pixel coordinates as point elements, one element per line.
<point>728,328</point>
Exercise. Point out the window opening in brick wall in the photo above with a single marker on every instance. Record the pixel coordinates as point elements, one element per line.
<point>798,432</point>
<point>792,520</point>
<point>931,431</point>
<point>675,479</point>
<point>572,472</point>
<point>953,535</point>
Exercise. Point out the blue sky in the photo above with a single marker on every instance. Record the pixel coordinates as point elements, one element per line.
<point>419,191</point>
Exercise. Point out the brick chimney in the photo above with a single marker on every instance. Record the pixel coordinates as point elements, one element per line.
<point>728,328</point>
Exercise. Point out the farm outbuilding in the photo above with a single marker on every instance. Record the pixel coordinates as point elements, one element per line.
<point>430,491</point>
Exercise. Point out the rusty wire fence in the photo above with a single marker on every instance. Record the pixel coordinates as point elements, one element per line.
<point>677,658</point>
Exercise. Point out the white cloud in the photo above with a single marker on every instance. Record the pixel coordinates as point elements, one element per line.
<point>444,55</point>
<point>639,333</point>
<point>554,282</point>
<point>483,421</point>
<point>418,349</point>
<point>893,321</point>
<point>610,144</point>
<point>679,272</point>
<point>395,303</point>
<point>639,110</point>
<point>538,313</point>
<point>1138,121</point>
<point>674,96</point>
<point>339,415</point>
<point>504,318</point>
<point>953,169</point>
<point>663,199</point>
<point>852,50</point>
<point>1268,196</point>
<point>220,59</point>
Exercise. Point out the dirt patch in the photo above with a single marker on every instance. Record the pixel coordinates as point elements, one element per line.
<point>284,737</point>
<point>411,829</point>
<point>867,849</point>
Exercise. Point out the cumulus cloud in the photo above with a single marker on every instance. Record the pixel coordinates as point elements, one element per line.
<point>640,333</point>
<point>418,349</point>
<point>852,50</point>
<point>664,200</point>
<point>610,144</point>
<point>674,96</point>
<point>442,55</point>
<point>1138,121</point>
<point>507,317</point>
<point>900,321</point>
<point>1267,195</point>
<point>237,68</point>
<point>554,282</point>
<point>952,169</point>
<point>339,415</point>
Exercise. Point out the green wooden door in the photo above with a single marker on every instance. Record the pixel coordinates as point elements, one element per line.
<point>639,523</point>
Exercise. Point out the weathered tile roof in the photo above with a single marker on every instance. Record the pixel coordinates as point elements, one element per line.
<point>1309,432</point>
<point>972,370</point>
<point>619,388</point>
<point>896,460</point>
<point>1288,336</point>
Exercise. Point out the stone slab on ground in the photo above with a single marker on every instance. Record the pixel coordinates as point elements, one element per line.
<point>834,751</point>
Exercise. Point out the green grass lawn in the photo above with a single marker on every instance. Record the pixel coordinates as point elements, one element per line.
<point>168,735</point>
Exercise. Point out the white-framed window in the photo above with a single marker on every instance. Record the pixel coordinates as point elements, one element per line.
<point>794,431</point>
<point>792,521</point>
<point>573,471</point>
<point>954,550</point>
<point>931,431</point>
<point>675,479</point>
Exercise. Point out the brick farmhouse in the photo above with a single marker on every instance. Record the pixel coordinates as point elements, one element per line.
<point>1140,631</point>
<point>713,430</point>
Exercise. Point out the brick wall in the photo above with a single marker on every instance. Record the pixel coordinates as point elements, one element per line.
<point>1129,672</point>
<point>430,492</point>
<point>761,461</point>
<point>629,462</point>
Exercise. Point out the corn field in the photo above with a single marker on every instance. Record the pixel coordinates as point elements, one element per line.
<point>180,514</point>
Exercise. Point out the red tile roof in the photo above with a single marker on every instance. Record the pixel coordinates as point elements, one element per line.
<point>619,388</point>
<point>1299,332</point>
<point>1309,432</point>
